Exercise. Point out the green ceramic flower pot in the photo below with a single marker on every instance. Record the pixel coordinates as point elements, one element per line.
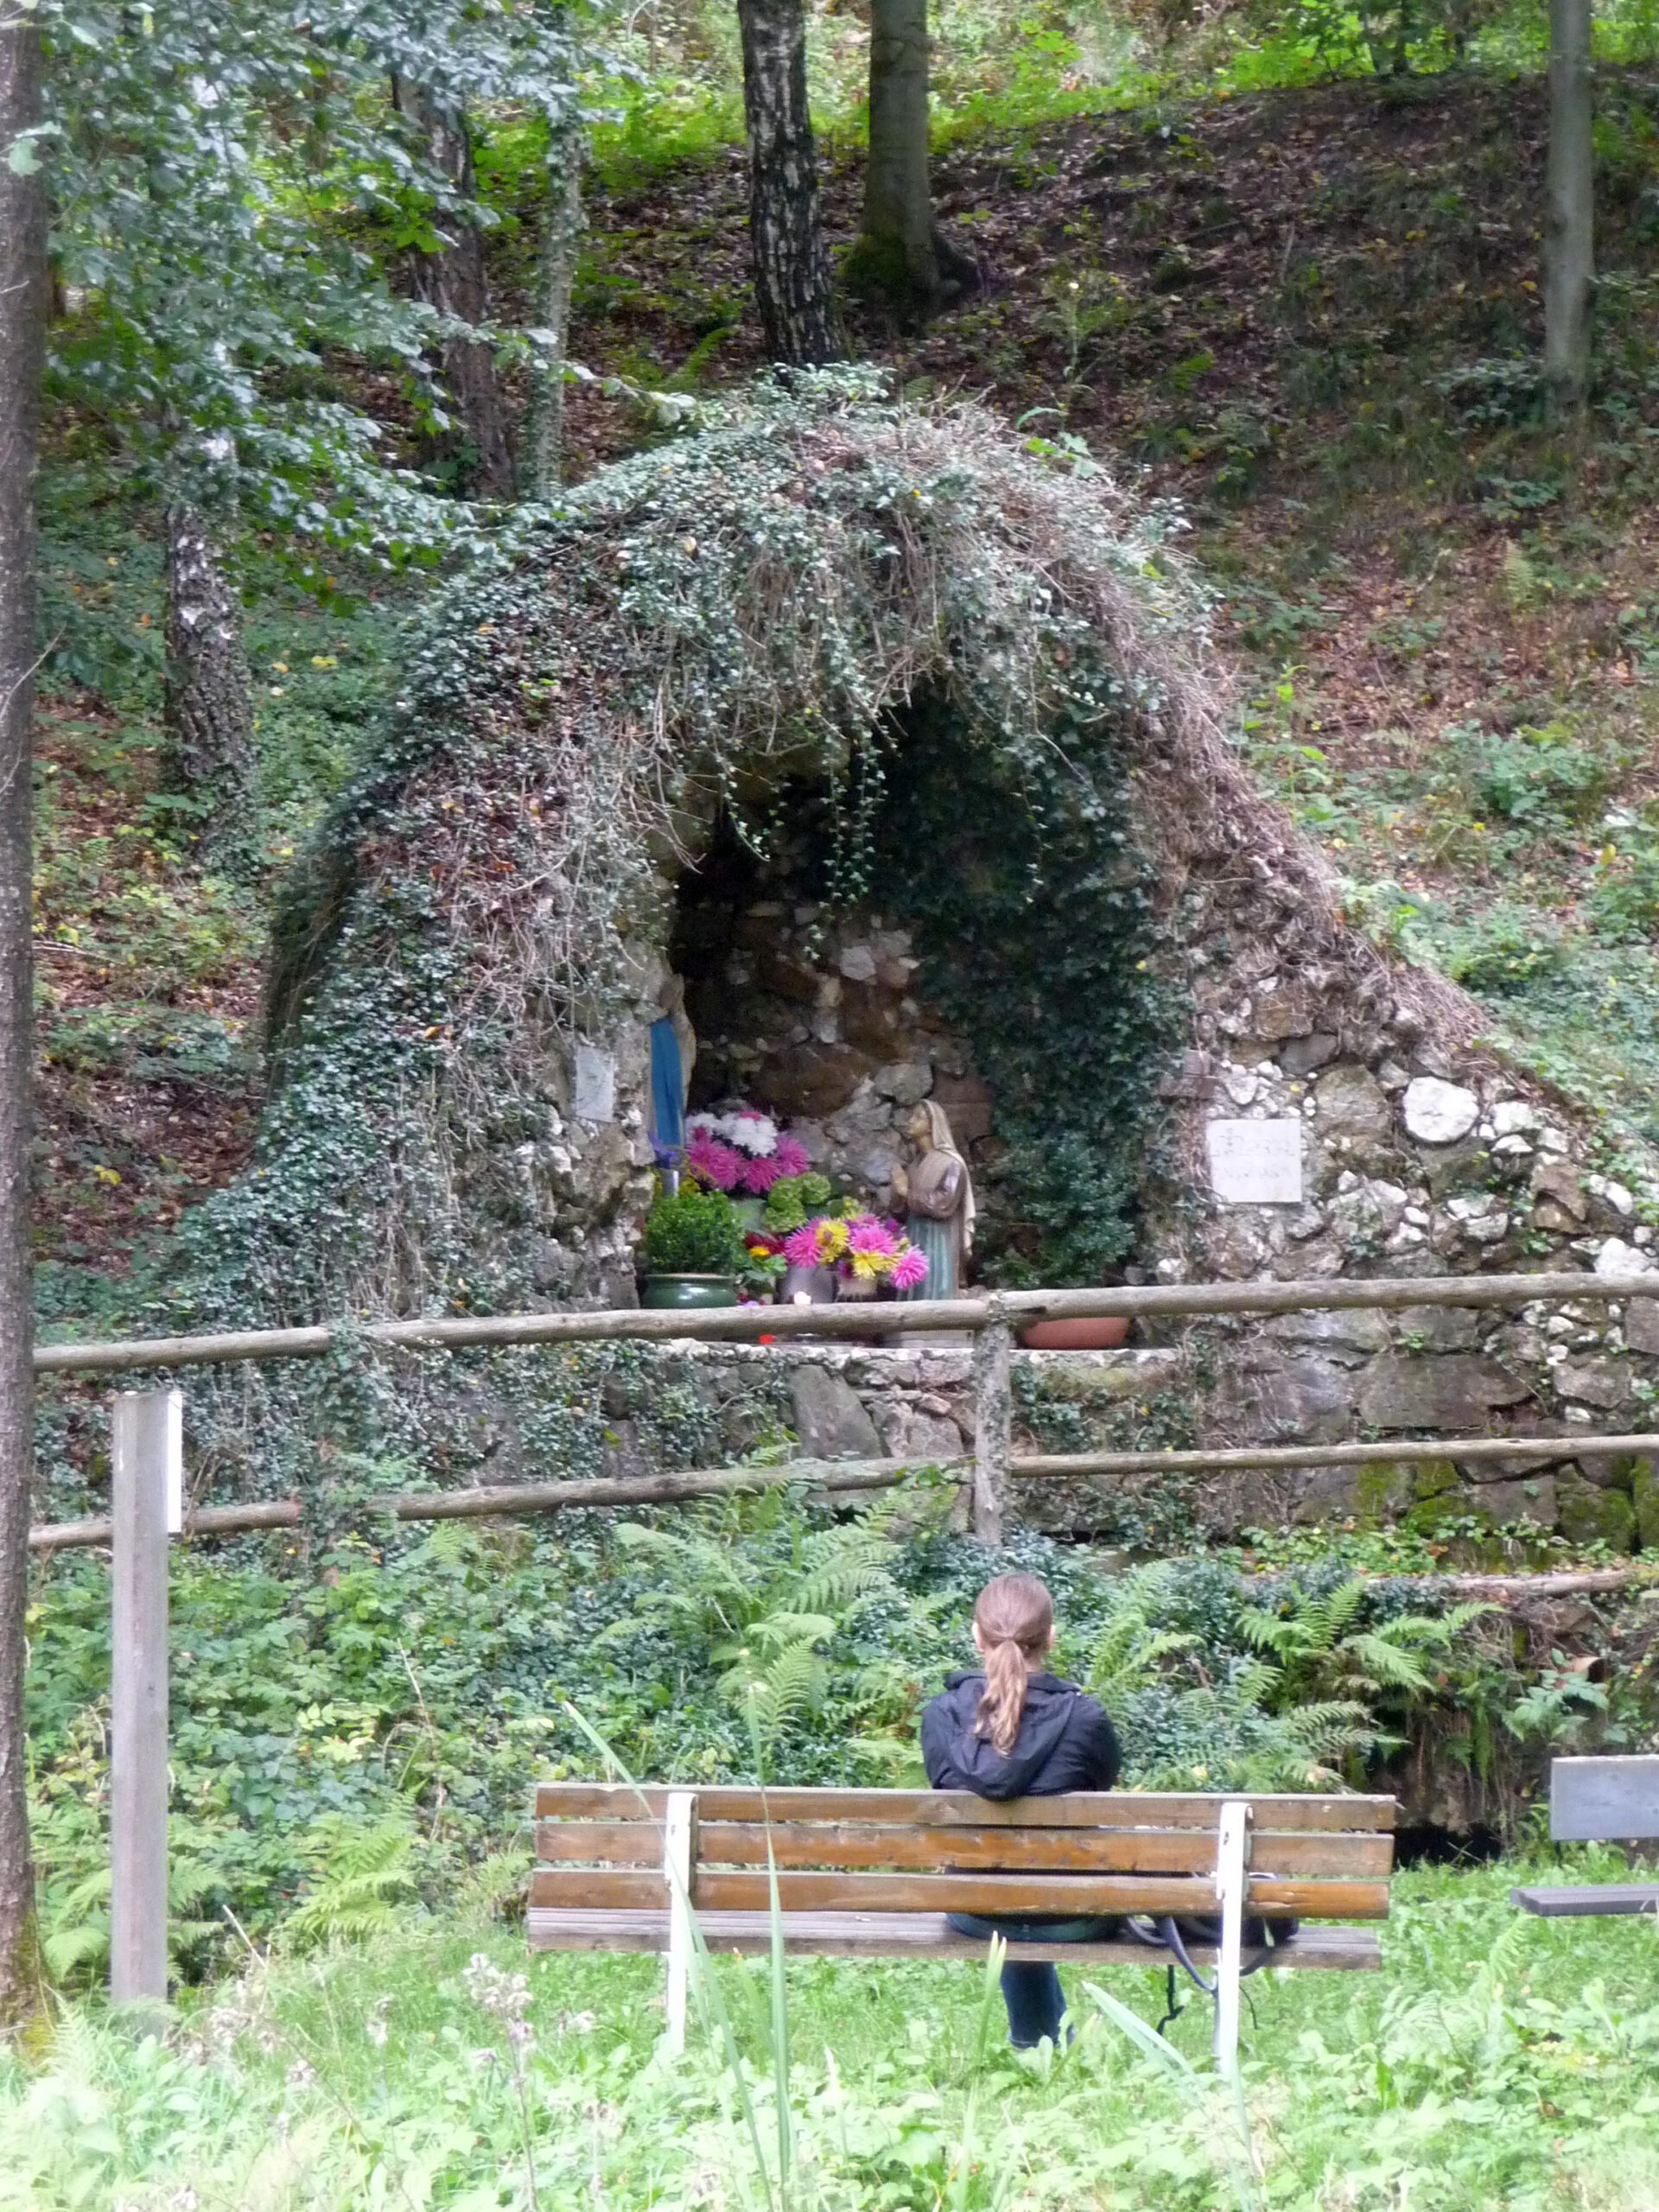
<point>687,1294</point>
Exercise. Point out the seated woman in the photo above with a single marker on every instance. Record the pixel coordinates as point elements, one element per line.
<point>1014,1731</point>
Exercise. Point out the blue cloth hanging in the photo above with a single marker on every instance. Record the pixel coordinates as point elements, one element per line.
<point>667,1086</point>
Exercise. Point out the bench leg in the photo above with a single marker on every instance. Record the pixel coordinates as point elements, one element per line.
<point>677,1828</point>
<point>1232,1857</point>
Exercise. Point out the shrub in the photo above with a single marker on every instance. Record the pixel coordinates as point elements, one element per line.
<point>1539,779</point>
<point>691,1232</point>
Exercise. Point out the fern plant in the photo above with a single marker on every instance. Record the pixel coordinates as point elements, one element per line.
<point>362,1879</point>
<point>1321,1651</point>
<point>764,1622</point>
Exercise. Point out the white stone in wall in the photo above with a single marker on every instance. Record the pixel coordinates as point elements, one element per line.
<point>595,1085</point>
<point>1438,1112</point>
<point>1512,1117</point>
<point>1256,1163</point>
<point>1616,1257</point>
<point>1616,1195</point>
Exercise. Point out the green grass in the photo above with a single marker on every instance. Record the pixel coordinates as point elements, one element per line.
<point>1496,2060</point>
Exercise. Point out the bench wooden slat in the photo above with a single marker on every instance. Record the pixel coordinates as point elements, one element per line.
<point>1009,1894</point>
<point>825,1844</point>
<point>1591,1900</point>
<point>897,1935</point>
<point>614,1843</point>
<point>1122,1809</point>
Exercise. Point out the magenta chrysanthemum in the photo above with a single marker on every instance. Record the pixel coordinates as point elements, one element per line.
<point>908,1269</point>
<point>791,1159</point>
<point>801,1248</point>
<point>867,1234</point>
<point>758,1175</point>
<point>715,1162</point>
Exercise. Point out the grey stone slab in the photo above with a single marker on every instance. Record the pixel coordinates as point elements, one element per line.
<point>1642,1326</point>
<point>829,1420</point>
<point>1436,1390</point>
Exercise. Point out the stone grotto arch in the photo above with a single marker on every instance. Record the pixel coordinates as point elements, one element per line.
<point>469,959</point>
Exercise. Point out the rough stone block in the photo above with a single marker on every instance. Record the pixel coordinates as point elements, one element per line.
<point>1642,1326</point>
<point>1355,1331</point>
<point>1593,1382</point>
<point>1436,1390</point>
<point>1437,1328</point>
<point>1301,1396</point>
<point>829,1420</point>
<point>1497,1504</point>
<point>927,1437</point>
<point>1349,1101</point>
<point>906,1082</point>
<point>1587,1515</point>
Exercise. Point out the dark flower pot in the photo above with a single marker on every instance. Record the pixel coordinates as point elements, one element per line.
<point>687,1294</point>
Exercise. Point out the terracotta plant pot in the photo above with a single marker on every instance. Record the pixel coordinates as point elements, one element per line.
<point>687,1294</point>
<point>1101,1333</point>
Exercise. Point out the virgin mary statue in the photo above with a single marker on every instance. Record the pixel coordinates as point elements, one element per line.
<point>935,1196</point>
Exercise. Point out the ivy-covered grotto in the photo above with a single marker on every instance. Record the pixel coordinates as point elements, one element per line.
<point>879,754</point>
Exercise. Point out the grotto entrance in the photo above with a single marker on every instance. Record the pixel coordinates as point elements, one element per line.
<point>816,1015</point>
<point>961,923</point>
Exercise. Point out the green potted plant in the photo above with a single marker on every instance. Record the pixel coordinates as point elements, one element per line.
<point>692,1251</point>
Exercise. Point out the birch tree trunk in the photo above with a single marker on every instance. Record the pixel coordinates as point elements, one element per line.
<point>454,283</point>
<point>1569,216</point>
<point>208,712</point>
<point>23,334</point>
<point>543,470</point>
<point>791,270</point>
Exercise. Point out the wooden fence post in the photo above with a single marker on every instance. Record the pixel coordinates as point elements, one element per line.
<point>993,1421</point>
<point>145,1493</point>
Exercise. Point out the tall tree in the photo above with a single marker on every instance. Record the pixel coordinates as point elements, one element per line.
<point>542,470</point>
<point>22,339</point>
<point>901,257</point>
<point>450,275</point>
<point>207,710</point>
<point>1569,214</point>
<point>786,252</point>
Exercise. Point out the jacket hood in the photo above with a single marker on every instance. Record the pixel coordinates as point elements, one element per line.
<point>1050,1704</point>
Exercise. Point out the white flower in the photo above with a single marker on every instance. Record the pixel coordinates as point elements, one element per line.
<point>754,1133</point>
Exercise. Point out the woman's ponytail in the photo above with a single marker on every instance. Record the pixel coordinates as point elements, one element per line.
<point>1014,1616</point>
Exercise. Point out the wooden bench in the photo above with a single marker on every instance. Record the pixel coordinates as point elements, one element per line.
<point>1599,1801</point>
<point>872,1873</point>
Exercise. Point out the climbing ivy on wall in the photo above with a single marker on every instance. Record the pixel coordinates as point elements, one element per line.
<point>1018,870</point>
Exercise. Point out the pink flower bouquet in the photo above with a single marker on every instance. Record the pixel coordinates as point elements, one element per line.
<point>743,1150</point>
<point>864,1247</point>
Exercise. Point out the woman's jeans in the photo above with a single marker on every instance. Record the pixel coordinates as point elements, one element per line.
<point>1031,1988</point>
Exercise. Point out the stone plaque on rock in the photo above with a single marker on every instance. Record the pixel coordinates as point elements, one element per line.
<point>595,1086</point>
<point>1256,1163</point>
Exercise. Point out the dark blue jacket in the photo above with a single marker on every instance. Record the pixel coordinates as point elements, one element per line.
<point>1065,1742</point>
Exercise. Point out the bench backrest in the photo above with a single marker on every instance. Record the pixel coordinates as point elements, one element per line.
<point>603,1847</point>
<point>1604,1799</point>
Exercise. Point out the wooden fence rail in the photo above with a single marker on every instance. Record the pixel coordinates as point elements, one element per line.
<point>755,1323</point>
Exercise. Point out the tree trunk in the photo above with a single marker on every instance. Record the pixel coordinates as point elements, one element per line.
<point>206,710</point>
<point>894,256</point>
<point>1569,217</point>
<point>792,270</point>
<point>902,257</point>
<point>23,295</point>
<point>452,281</point>
<point>556,263</point>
